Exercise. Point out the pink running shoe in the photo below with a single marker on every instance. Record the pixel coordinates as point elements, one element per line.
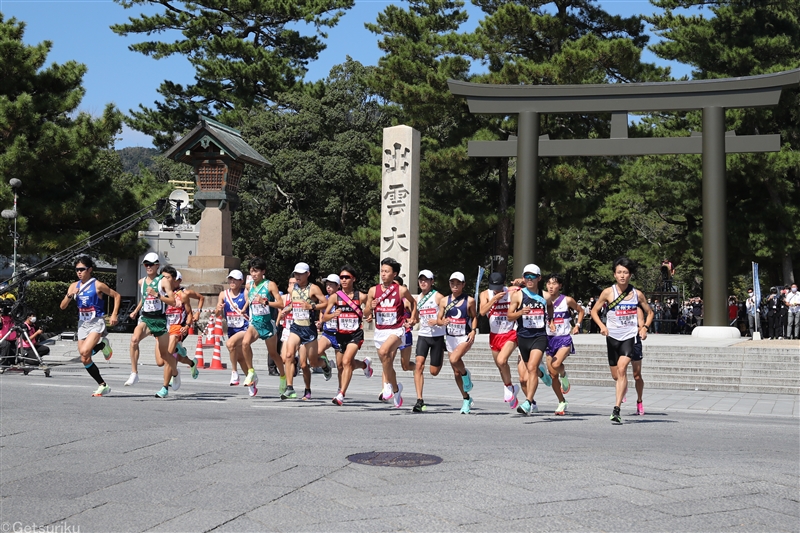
<point>368,369</point>
<point>639,408</point>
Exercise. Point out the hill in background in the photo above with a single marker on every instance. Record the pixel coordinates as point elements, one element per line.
<point>132,156</point>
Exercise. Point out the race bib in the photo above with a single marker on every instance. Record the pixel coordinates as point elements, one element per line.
<point>386,318</point>
<point>348,322</point>
<point>331,324</point>
<point>152,305</point>
<point>259,309</point>
<point>86,313</point>
<point>558,320</point>
<point>457,327</point>
<point>626,316</point>
<point>300,313</point>
<point>235,320</point>
<point>174,318</point>
<point>533,320</point>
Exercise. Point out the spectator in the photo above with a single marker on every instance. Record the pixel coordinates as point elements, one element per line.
<point>793,305</point>
<point>33,334</point>
<point>784,314</point>
<point>697,310</point>
<point>658,313</point>
<point>733,311</point>
<point>752,310</point>
<point>667,273</point>
<point>774,305</point>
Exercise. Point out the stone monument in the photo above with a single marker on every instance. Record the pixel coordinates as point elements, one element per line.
<point>400,200</point>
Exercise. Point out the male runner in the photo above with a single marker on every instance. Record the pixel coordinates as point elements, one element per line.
<point>430,338</point>
<point>502,333</point>
<point>385,303</point>
<point>91,324</point>
<point>179,318</point>
<point>621,328</point>
<point>234,305</point>
<point>305,297</point>
<point>344,311</point>
<point>457,314</point>
<point>262,296</point>
<point>528,308</point>
<point>559,340</point>
<point>408,340</point>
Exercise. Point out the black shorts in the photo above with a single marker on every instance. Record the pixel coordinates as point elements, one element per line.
<point>343,339</point>
<point>527,345</point>
<point>631,348</point>
<point>434,345</point>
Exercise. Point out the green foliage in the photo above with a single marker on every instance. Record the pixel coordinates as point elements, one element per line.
<point>135,157</point>
<point>244,53</point>
<point>43,298</point>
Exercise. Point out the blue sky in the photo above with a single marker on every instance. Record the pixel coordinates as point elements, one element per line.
<point>79,30</point>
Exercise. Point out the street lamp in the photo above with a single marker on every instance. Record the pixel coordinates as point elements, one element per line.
<point>12,213</point>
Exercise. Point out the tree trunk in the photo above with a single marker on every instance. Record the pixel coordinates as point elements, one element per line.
<point>504,230</point>
<point>788,269</point>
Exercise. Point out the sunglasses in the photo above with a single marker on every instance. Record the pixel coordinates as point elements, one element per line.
<point>149,264</point>
<point>345,276</point>
<point>81,269</point>
<point>531,276</point>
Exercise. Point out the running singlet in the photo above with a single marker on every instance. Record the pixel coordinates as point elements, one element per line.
<point>348,321</point>
<point>176,314</point>
<point>152,307</point>
<point>498,314</point>
<point>459,317</point>
<point>90,304</point>
<point>302,317</point>
<point>288,319</point>
<point>429,310</point>
<point>260,309</point>
<point>532,323</point>
<point>331,326</point>
<point>621,321</point>
<point>561,318</point>
<point>390,310</point>
<point>233,313</point>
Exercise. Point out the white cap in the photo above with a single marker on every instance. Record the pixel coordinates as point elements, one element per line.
<point>301,268</point>
<point>531,269</point>
<point>426,273</point>
<point>236,274</point>
<point>178,274</point>
<point>152,257</point>
<point>457,275</point>
<point>333,278</point>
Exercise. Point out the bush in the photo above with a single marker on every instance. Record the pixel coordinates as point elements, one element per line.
<point>43,298</point>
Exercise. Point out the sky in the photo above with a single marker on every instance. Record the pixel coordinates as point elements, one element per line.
<point>79,30</point>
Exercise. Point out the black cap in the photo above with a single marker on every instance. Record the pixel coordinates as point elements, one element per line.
<point>497,281</point>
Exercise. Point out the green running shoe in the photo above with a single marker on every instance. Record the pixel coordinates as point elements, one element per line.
<point>195,370</point>
<point>565,386</point>
<point>282,384</point>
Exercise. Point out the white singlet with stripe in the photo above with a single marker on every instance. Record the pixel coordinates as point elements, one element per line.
<point>621,321</point>
<point>498,315</point>
<point>429,311</point>
<point>561,318</point>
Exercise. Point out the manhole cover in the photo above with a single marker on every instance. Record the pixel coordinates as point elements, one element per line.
<point>401,459</point>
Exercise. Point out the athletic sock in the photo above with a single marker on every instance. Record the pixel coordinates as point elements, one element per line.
<point>509,385</point>
<point>94,372</point>
<point>191,362</point>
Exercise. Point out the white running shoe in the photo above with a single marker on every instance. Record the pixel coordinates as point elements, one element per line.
<point>132,380</point>
<point>252,390</point>
<point>388,391</point>
<point>338,399</point>
<point>509,393</point>
<point>398,398</point>
<point>234,378</point>
<point>368,368</point>
<point>175,382</point>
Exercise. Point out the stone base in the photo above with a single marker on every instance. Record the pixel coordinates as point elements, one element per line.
<point>756,335</point>
<point>716,332</point>
<point>208,262</point>
<point>208,281</point>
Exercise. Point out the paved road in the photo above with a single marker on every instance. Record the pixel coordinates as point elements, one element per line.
<point>210,459</point>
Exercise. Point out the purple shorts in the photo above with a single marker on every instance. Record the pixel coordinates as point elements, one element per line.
<point>554,344</point>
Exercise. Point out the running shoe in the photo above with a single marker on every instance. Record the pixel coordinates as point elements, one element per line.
<point>288,394</point>
<point>132,380</point>
<point>525,408</point>
<point>467,380</point>
<point>368,368</point>
<point>252,390</point>
<point>306,395</point>
<point>624,399</point>
<point>175,382</point>
<point>281,384</point>
<point>234,379</point>
<point>107,351</point>
<point>181,350</point>
<point>162,393</point>
<point>615,416</point>
<point>327,371</point>
<point>398,396</point>
<point>420,406</point>
<point>338,399</point>
<point>251,374</point>
<point>639,408</point>
<point>562,407</point>
<point>466,405</point>
<point>545,376</point>
<point>381,398</point>
<point>565,386</point>
<point>102,390</point>
<point>534,408</point>
<point>195,370</point>
<point>388,392</point>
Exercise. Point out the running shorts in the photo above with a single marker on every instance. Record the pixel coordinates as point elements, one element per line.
<point>453,342</point>
<point>408,340</point>
<point>434,345</point>
<point>264,326</point>
<point>94,325</point>
<point>156,326</point>
<point>343,339</point>
<point>529,344</point>
<point>333,340</point>
<point>498,340</point>
<point>557,342</point>
<point>234,331</point>
<point>617,349</point>
<point>382,335</point>
<point>306,333</point>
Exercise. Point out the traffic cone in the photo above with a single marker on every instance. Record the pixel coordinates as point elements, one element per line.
<point>198,353</point>
<point>216,358</point>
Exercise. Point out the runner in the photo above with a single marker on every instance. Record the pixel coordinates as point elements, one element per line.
<point>233,304</point>
<point>430,338</point>
<point>385,303</point>
<point>328,327</point>
<point>344,310</point>
<point>179,318</point>
<point>621,330</point>
<point>408,340</point>
<point>156,295</point>
<point>502,333</point>
<point>188,296</point>
<point>528,309</point>
<point>262,297</point>
<point>305,297</point>
<point>455,313</point>
<point>559,340</point>
<point>91,324</point>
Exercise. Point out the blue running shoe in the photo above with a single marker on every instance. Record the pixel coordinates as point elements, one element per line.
<point>465,407</point>
<point>162,393</point>
<point>525,408</point>
<point>467,380</point>
<point>195,370</point>
<point>545,377</point>
<point>181,350</point>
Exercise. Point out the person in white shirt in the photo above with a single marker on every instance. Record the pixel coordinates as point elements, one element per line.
<point>793,303</point>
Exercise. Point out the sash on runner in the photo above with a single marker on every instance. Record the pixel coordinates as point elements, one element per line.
<point>234,306</point>
<point>454,303</point>
<point>425,298</point>
<point>355,307</point>
<point>621,297</point>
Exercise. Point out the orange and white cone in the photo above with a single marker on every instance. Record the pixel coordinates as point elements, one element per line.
<point>216,358</point>
<point>198,352</point>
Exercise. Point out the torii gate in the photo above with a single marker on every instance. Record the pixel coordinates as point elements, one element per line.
<point>712,96</point>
